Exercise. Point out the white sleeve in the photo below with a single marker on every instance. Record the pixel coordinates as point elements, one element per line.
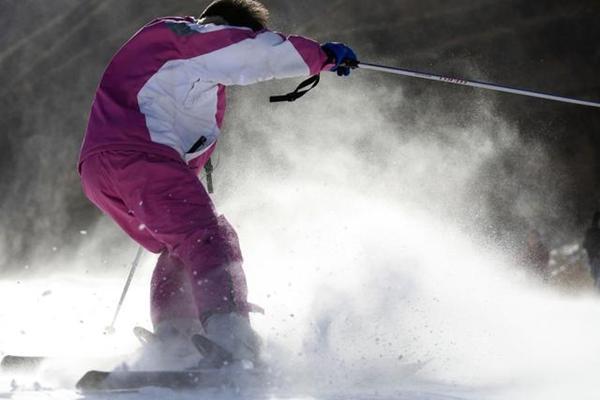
<point>267,56</point>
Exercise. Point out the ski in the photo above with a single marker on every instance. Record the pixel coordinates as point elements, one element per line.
<point>129,380</point>
<point>217,369</point>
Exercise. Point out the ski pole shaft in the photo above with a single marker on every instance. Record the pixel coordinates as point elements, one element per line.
<point>134,264</point>
<point>464,82</point>
<point>208,168</point>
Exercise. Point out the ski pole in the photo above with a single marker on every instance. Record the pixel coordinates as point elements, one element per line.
<point>111,329</point>
<point>464,82</point>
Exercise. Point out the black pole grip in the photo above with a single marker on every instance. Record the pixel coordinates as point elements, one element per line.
<point>350,64</point>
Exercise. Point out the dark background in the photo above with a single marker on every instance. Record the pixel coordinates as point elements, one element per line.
<point>53,54</point>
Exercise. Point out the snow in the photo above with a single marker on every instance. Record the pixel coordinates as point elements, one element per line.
<point>495,336</point>
<point>355,244</point>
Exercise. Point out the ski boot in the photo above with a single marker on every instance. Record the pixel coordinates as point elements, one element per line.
<point>228,338</point>
<point>170,346</point>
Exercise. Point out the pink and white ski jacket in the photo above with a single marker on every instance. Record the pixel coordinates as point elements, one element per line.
<point>164,90</point>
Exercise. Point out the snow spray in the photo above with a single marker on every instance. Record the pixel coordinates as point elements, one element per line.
<point>360,226</point>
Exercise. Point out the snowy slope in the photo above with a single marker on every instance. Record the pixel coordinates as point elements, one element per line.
<point>359,241</point>
<point>496,336</point>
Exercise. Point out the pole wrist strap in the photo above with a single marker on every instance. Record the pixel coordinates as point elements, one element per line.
<point>300,91</point>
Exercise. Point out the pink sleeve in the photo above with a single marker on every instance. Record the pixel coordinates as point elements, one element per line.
<point>312,53</point>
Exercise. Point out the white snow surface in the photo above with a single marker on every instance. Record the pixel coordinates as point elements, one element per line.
<point>355,243</point>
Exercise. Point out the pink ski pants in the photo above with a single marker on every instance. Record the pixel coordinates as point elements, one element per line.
<point>161,204</point>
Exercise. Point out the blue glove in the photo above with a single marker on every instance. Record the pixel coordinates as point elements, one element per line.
<point>338,53</point>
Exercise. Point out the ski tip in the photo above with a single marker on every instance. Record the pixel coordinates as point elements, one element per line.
<point>92,380</point>
<point>144,335</point>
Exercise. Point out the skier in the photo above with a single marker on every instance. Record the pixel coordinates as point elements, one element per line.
<point>536,255</point>
<point>591,244</point>
<point>154,123</point>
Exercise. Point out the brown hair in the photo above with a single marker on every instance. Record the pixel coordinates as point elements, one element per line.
<point>248,13</point>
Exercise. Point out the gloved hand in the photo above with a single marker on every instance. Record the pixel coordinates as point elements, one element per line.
<point>338,53</point>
